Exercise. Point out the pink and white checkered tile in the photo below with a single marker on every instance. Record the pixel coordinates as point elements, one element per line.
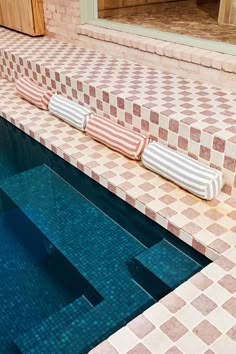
<point>194,118</point>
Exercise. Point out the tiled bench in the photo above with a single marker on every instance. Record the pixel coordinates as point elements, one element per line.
<point>207,226</point>
<point>192,117</point>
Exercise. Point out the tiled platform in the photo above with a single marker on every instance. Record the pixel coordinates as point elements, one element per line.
<point>195,118</point>
<point>199,316</point>
<point>208,226</point>
<point>201,310</point>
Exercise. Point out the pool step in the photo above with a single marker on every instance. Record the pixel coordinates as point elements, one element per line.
<point>88,329</point>
<point>162,268</point>
<point>94,244</point>
<point>56,323</point>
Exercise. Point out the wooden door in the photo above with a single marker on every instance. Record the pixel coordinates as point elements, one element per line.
<point>23,15</point>
<point>227,12</point>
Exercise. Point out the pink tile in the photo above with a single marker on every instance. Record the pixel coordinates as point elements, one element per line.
<point>139,349</point>
<point>141,326</point>
<point>189,200</point>
<point>173,350</point>
<point>174,125</point>
<point>192,228</point>
<point>146,186</point>
<point>199,246</point>
<point>150,213</point>
<point>167,212</point>
<point>173,229</point>
<point>201,281</point>
<point>167,199</point>
<point>228,282</point>
<point>216,229</point>
<point>232,214</point>
<point>154,117</point>
<point>230,306</point>
<point>195,134</point>
<point>219,246</point>
<point>104,348</point>
<point>230,163</point>
<point>167,187</point>
<point>218,144</point>
<point>213,214</point>
<point>203,304</point>
<point>205,153</point>
<point>190,213</point>
<point>232,333</point>
<point>163,133</point>
<point>174,329</point>
<point>206,332</point>
<point>183,143</point>
<point>172,302</point>
<point>225,263</point>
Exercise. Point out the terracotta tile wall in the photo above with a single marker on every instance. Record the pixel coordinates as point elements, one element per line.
<point>61,18</point>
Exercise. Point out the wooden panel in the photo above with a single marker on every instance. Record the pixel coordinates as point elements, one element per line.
<point>21,16</point>
<point>37,6</point>
<point>227,12</point>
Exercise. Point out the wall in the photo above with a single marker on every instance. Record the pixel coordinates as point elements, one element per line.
<point>61,18</point>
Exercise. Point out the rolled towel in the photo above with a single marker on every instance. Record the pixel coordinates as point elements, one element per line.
<point>71,112</point>
<point>117,137</point>
<point>201,180</point>
<point>32,92</point>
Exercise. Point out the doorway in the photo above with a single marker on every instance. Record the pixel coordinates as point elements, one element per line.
<point>206,19</point>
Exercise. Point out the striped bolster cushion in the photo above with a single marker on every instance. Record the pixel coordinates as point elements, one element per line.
<point>69,111</point>
<point>201,180</point>
<point>117,137</point>
<point>30,91</point>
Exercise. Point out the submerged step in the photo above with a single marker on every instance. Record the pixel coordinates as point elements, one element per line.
<point>85,332</point>
<point>55,324</point>
<point>162,268</point>
<point>94,244</point>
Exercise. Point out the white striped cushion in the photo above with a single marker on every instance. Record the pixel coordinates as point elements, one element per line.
<point>32,92</point>
<point>117,137</point>
<point>201,180</point>
<point>69,111</point>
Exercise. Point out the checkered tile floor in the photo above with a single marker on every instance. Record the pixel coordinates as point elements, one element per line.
<point>200,311</point>
<point>199,316</point>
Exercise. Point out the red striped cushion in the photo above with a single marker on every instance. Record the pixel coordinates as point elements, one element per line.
<point>30,91</point>
<point>116,137</point>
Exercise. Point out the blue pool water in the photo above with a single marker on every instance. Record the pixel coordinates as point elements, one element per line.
<point>76,262</point>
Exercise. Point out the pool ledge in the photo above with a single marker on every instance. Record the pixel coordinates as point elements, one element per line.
<point>193,313</point>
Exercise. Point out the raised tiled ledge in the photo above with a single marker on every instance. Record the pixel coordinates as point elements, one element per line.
<point>194,118</point>
<point>208,226</point>
<point>189,62</point>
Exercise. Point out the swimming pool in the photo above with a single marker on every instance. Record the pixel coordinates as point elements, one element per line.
<point>77,262</point>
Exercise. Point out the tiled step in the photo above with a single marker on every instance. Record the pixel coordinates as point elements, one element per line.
<point>192,117</point>
<point>93,243</point>
<point>161,268</point>
<point>89,329</point>
<point>206,226</point>
<point>57,323</point>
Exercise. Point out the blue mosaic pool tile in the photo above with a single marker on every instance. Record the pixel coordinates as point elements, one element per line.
<point>96,246</point>
<point>88,330</point>
<point>55,325</point>
<point>168,263</point>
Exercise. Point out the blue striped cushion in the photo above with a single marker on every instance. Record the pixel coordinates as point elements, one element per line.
<point>71,112</point>
<point>201,180</point>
